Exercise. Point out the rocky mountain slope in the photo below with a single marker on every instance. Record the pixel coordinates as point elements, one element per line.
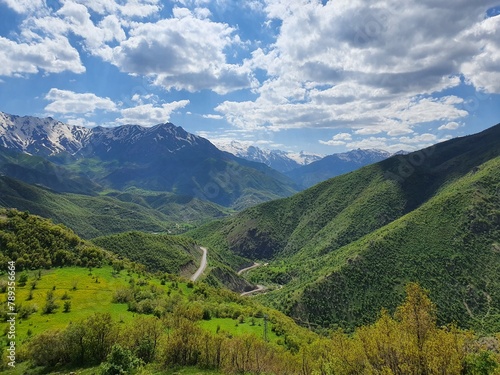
<point>160,158</point>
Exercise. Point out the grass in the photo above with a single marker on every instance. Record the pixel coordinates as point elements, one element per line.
<point>93,294</point>
<point>235,327</point>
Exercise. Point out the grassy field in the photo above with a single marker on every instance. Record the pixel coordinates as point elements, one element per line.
<point>93,294</point>
<point>92,291</point>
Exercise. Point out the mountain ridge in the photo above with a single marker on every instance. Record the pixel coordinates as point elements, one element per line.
<point>164,157</point>
<point>316,242</point>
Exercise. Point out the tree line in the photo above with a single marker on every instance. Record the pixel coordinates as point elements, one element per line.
<point>407,343</point>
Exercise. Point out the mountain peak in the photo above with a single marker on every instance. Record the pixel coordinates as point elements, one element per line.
<point>282,161</point>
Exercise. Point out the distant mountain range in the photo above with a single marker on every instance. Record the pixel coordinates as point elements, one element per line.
<point>160,158</point>
<point>307,169</point>
<point>282,161</point>
<point>335,165</point>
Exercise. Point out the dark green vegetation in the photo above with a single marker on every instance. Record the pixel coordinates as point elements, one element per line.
<point>158,252</point>
<point>36,170</point>
<point>35,243</point>
<point>118,319</point>
<point>115,212</point>
<point>345,248</point>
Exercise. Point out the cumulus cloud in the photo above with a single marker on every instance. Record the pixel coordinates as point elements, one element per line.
<point>378,67</point>
<point>338,139</point>
<point>394,144</point>
<point>449,126</point>
<point>50,55</point>
<point>186,51</point>
<point>69,102</point>
<point>183,52</point>
<point>24,6</point>
<point>483,69</point>
<point>149,115</point>
<point>213,117</point>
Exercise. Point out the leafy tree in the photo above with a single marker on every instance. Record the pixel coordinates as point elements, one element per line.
<point>120,361</point>
<point>50,303</point>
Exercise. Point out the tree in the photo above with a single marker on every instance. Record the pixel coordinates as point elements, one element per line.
<point>143,337</point>
<point>417,316</point>
<point>50,303</point>
<point>100,335</point>
<point>119,361</point>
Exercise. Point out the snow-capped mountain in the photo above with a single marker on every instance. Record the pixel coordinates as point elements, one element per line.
<point>282,161</point>
<point>41,136</point>
<point>49,137</point>
<point>334,165</point>
<point>164,157</point>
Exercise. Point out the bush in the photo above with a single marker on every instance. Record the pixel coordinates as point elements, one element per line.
<point>482,363</point>
<point>50,303</point>
<point>119,361</point>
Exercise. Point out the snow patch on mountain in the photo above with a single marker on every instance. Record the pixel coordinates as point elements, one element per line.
<point>47,137</point>
<point>282,161</point>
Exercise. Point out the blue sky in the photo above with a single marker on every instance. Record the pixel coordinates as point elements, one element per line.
<point>319,76</point>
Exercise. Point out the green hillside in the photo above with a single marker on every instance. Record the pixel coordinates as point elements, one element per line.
<point>36,170</point>
<point>93,216</point>
<point>158,252</point>
<point>330,263</point>
<point>33,242</point>
<point>115,318</point>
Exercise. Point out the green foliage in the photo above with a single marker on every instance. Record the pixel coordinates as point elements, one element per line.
<point>409,342</point>
<point>340,251</point>
<point>97,215</point>
<point>33,242</point>
<point>482,363</point>
<point>158,252</point>
<point>67,306</point>
<point>50,303</point>
<point>119,362</point>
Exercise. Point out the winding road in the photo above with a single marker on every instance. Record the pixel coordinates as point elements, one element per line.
<point>255,265</point>
<point>203,265</point>
<point>260,288</point>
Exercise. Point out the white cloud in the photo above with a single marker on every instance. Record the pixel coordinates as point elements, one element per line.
<point>332,143</point>
<point>24,6</point>
<point>394,144</point>
<point>377,67</point>
<point>50,55</point>
<point>338,139</point>
<point>148,114</point>
<point>213,117</point>
<point>342,136</point>
<point>127,9</point>
<point>69,102</point>
<point>183,53</point>
<point>483,70</point>
<point>421,138</point>
<point>450,126</point>
<point>79,121</point>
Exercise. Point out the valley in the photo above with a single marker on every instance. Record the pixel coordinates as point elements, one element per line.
<point>226,266</point>
<point>256,187</point>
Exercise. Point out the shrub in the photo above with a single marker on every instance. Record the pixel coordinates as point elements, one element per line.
<point>119,361</point>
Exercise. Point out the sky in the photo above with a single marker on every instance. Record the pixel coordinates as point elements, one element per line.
<point>319,76</point>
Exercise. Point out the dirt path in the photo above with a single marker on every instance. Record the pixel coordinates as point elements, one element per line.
<point>203,265</point>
